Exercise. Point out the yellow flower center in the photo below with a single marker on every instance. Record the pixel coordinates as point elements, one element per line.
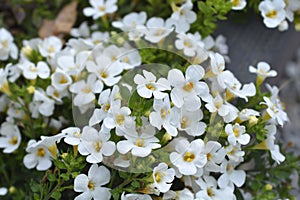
<point>5,43</point>
<point>103,74</point>
<point>97,145</point>
<point>236,2</point>
<point>140,142</point>
<point>91,185</point>
<point>210,192</point>
<point>51,49</point>
<point>272,14</point>
<point>149,86</point>
<point>164,113</point>
<point>120,119</point>
<point>209,156</point>
<point>13,140</point>
<point>189,86</point>
<point>184,123</point>
<point>32,68</point>
<point>188,156</point>
<point>63,80</point>
<point>40,152</point>
<point>158,176</point>
<point>236,132</point>
<point>101,8</point>
<point>187,43</point>
<point>106,107</point>
<point>86,90</point>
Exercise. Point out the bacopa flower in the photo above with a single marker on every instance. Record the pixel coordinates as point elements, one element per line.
<point>210,191</point>
<point>50,46</point>
<point>135,197</point>
<point>85,90</point>
<point>95,144</point>
<point>147,85</point>
<point>163,177</point>
<point>189,43</point>
<point>32,71</point>
<point>189,88</point>
<point>10,137</point>
<point>238,4</point>
<point>188,156</point>
<point>140,140</point>
<point>91,185</point>
<point>231,175</point>
<point>38,156</point>
<point>100,8</point>
<point>7,47</point>
<point>263,71</point>
<point>157,29</point>
<point>236,133</point>
<point>273,12</point>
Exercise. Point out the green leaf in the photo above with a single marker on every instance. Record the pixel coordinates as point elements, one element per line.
<point>56,195</point>
<point>51,177</point>
<point>66,177</point>
<point>135,184</point>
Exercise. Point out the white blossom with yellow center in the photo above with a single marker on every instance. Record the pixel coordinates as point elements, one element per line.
<point>95,144</point>
<point>189,156</point>
<point>163,177</point>
<point>273,12</point>
<point>91,185</point>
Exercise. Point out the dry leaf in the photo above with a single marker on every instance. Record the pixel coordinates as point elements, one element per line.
<point>62,24</point>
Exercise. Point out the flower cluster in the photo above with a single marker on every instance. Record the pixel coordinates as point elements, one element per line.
<point>187,121</point>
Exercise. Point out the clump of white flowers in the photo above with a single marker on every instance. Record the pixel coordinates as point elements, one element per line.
<point>188,121</point>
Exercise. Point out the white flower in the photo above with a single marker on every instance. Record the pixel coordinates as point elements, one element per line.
<point>119,118</point>
<point>188,121</point>
<point>38,156</point>
<point>230,175</point>
<point>275,111</point>
<point>276,155</point>
<point>132,23</point>
<point>135,197</point>
<point>100,8</point>
<point>291,7</point>
<point>95,144</point>
<point>50,46</point>
<point>188,156</point>
<point>3,191</point>
<point>235,153</point>
<point>72,135</point>
<point>189,88</point>
<point>163,177</point>
<point>263,70</point>
<point>85,90</point>
<point>247,114</point>
<point>60,80</point>
<point>13,72</point>
<point>236,133</point>
<point>7,47</point>
<point>32,71</point>
<point>209,190</point>
<point>105,69</point>
<point>189,43</point>
<point>184,194</point>
<point>224,109</point>
<point>82,31</point>
<point>107,100</point>
<point>215,155</point>
<point>41,104</point>
<point>55,94</point>
<point>234,87</point>
<point>183,16</point>
<point>71,65</point>
<point>99,38</point>
<point>161,117</point>
<point>91,185</point>
<point>273,12</point>
<point>10,137</point>
<point>140,140</point>
<point>238,4</point>
<point>147,85</point>
<point>217,64</point>
<point>157,29</point>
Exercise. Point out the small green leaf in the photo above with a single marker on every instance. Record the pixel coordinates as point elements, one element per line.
<point>56,195</point>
